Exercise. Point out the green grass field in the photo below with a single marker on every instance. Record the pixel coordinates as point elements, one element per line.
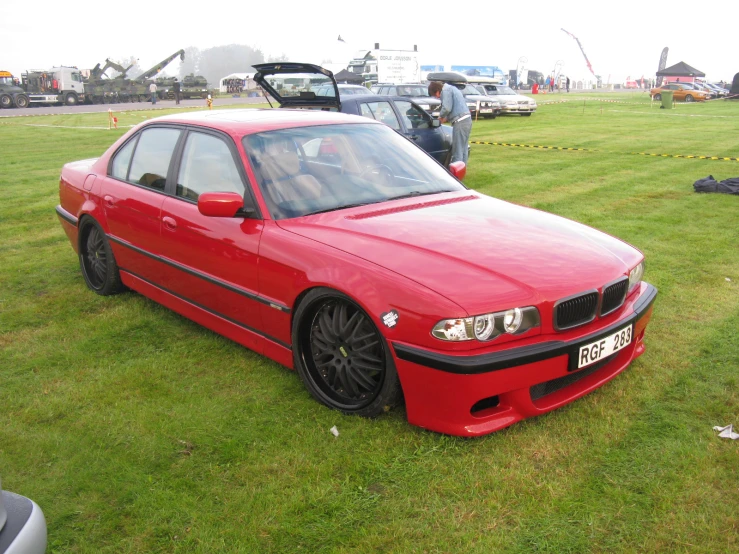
<point>137,430</point>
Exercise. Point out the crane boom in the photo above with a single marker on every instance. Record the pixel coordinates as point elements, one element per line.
<point>587,61</point>
<point>161,65</point>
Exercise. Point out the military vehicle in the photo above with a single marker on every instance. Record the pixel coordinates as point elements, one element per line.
<point>66,85</point>
<point>103,90</point>
<point>11,95</point>
<point>165,87</point>
<point>194,86</point>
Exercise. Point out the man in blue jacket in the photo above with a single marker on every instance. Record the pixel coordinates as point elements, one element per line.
<point>454,110</point>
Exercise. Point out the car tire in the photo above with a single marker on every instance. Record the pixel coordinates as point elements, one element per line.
<point>21,101</point>
<point>341,356</point>
<point>689,98</point>
<point>71,99</point>
<point>658,97</point>
<point>6,101</point>
<point>526,114</point>
<point>97,262</point>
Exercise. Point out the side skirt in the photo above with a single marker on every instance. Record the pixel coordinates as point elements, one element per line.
<point>278,352</point>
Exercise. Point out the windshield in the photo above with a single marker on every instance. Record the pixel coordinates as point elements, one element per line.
<point>407,90</point>
<point>469,89</point>
<point>6,80</point>
<point>344,91</point>
<point>317,169</point>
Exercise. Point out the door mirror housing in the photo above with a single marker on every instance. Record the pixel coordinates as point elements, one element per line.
<point>458,169</point>
<point>224,204</point>
<point>435,122</point>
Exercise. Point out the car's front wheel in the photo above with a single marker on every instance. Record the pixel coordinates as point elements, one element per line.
<point>658,97</point>
<point>97,262</point>
<point>341,357</point>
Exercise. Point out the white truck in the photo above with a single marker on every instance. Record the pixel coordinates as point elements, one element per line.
<point>58,85</point>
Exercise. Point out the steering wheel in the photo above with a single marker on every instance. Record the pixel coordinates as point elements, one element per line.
<point>385,174</point>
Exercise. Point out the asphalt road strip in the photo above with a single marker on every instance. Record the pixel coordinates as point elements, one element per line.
<point>713,158</point>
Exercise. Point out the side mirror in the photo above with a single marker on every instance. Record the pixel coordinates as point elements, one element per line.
<point>435,122</point>
<point>458,169</point>
<point>220,204</point>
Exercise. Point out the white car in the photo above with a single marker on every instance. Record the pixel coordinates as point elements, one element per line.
<point>510,100</point>
<point>22,525</point>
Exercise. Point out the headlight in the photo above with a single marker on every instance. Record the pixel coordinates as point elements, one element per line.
<point>488,326</point>
<point>635,275</point>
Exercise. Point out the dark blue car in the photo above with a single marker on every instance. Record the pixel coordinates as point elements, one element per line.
<point>407,118</point>
<point>300,85</point>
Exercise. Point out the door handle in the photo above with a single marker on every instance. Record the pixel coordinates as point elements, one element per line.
<point>413,137</point>
<point>109,200</point>
<point>169,222</point>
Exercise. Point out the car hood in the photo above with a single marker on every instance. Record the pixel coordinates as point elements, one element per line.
<point>516,97</point>
<point>482,253</point>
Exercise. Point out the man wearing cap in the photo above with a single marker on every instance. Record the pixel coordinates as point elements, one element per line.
<point>454,110</point>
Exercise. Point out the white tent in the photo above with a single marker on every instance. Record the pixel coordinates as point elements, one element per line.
<point>248,79</point>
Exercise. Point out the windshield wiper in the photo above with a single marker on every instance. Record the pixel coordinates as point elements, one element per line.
<point>417,193</point>
<point>342,207</point>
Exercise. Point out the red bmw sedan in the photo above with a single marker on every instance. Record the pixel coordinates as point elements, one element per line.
<point>336,247</point>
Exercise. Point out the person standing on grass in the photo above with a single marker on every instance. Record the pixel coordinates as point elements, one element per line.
<point>153,91</point>
<point>567,84</point>
<point>454,110</point>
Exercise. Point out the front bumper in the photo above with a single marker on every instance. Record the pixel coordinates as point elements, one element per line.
<point>519,108</point>
<point>469,395</point>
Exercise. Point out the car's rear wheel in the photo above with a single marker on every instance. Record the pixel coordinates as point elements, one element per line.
<point>341,357</point>
<point>689,98</point>
<point>98,264</point>
<point>658,96</point>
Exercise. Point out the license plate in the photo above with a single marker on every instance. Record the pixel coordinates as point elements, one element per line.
<point>602,348</point>
<point>486,110</point>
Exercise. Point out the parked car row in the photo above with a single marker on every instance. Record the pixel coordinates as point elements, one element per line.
<point>681,92</point>
<point>490,98</point>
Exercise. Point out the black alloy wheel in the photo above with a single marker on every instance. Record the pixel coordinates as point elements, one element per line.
<point>341,356</point>
<point>97,262</point>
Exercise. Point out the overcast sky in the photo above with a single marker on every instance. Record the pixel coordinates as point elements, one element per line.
<point>621,39</point>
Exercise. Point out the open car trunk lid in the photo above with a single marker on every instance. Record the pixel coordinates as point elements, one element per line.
<point>294,85</point>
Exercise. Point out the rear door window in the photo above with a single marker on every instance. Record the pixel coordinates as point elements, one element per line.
<point>153,154</point>
<point>122,160</point>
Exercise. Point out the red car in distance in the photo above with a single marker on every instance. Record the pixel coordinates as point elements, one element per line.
<point>336,247</point>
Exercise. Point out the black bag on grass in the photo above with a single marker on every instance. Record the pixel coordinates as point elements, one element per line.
<point>709,184</point>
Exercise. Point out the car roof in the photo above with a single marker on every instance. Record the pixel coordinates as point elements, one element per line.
<point>248,121</point>
<point>378,98</point>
